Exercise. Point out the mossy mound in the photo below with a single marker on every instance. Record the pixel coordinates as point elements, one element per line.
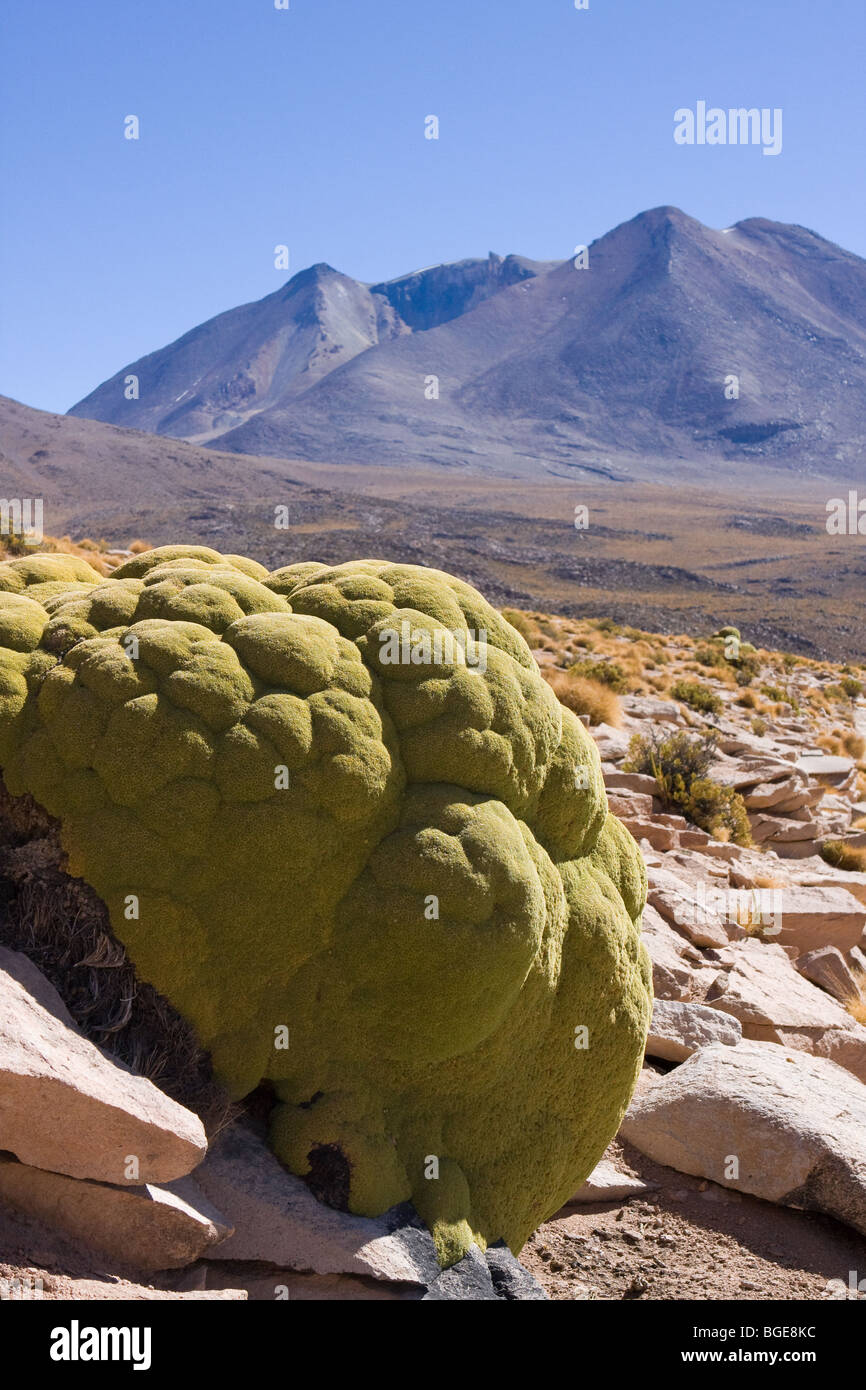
<point>373,865</point>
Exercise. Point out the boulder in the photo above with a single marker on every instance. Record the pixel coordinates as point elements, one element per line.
<point>776,1004</point>
<point>777,1124</point>
<point>146,1227</point>
<point>630,805</point>
<point>69,1107</point>
<point>511,1281</point>
<point>694,910</point>
<point>812,917</point>
<point>828,969</point>
<point>678,1029</point>
<point>278,1221</point>
<point>638,782</point>
<point>660,837</point>
<point>680,970</point>
<point>469,1281</point>
<point>831,770</point>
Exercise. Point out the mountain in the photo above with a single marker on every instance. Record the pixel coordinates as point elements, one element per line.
<point>676,349</point>
<point>277,349</point>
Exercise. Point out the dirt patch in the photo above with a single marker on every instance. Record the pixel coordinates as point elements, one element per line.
<point>689,1239</point>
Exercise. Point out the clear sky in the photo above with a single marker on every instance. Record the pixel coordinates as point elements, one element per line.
<point>305,127</point>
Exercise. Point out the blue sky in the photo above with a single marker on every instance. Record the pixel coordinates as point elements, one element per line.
<point>306,128</point>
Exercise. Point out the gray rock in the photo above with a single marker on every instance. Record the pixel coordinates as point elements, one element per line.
<point>278,1221</point>
<point>511,1281</point>
<point>678,1029</point>
<point>469,1281</point>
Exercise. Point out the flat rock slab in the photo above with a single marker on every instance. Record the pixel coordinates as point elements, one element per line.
<point>148,1227</point>
<point>781,1125</point>
<point>678,1029</point>
<point>69,1107</point>
<point>607,1183</point>
<point>811,917</point>
<point>278,1221</point>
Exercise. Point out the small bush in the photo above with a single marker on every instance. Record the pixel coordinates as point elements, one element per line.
<point>759,726</point>
<point>680,764</point>
<point>773,693</point>
<point>607,672</point>
<point>697,696</point>
<point>584,696</point>
<point>852,687</point>
<point>842,856</point>
<point>710,656</point>
<point>523,624</point>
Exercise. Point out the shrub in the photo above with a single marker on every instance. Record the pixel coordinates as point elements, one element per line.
<point>852,687</point>
<point>697,696</point>
<point>759,726</point>
<point>523,624</point>
<point>680,764</point>
<point>584,696</point>
<point>608,672</point>
<point>409,863</point>
<point>773,693</point>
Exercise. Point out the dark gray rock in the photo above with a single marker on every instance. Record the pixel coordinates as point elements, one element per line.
<point>510,1280</point>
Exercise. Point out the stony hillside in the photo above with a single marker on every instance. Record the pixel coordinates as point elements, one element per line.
<point>757,1051</point>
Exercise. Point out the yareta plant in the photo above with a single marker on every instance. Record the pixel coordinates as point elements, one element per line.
<point>342,824</point>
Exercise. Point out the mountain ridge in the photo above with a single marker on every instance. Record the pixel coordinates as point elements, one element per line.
<point>678,342</point>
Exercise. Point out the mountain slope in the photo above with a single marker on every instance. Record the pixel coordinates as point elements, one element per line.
<point>266,353</point>
<point>625,368</point>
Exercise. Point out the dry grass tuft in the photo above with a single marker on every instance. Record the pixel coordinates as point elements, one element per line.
<point>583,695</point>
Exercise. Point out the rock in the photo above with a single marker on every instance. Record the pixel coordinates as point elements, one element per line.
<point>511,1281</point>
<point>828,969</point>
<point>647,709</point>
<point>612,743</point>
<point>67,1106</point>
<point>767,794</point>
<point>678,1029</point>
<point>278,1221</point>
<point>795,1124</point>
<point>817,874</point>
<point>776,1004</point>
<point>857,959</point>
<point>147,1227</point>
<point>469,1281</point>
<point>693,839</point>
<point>812,917</point>
<point>679,968</point>
<point>630,805</point>
<point>834,771</point>
<point>631,782</point>
<point>691,909</point>
<point>660,837</point>
<point>606,1183</point>
<point>751,772</point>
